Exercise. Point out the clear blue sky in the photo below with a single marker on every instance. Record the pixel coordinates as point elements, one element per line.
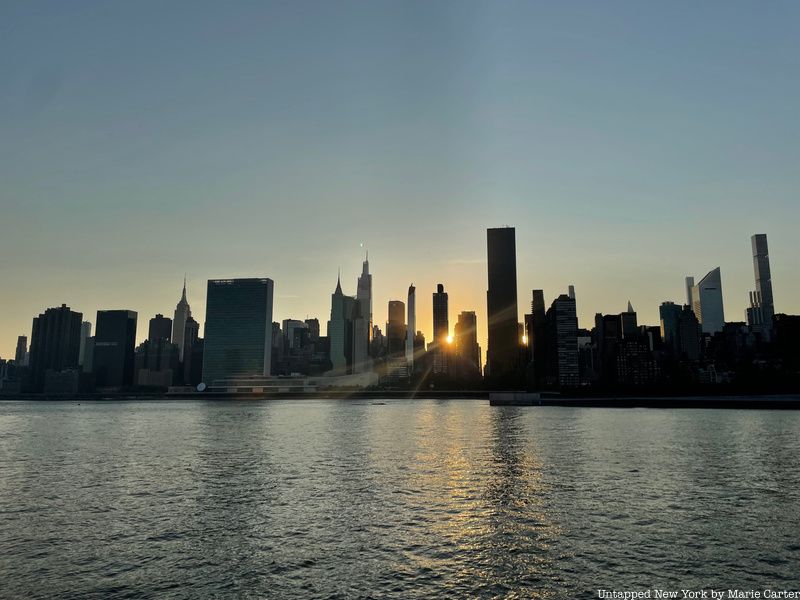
<point>630,143</point>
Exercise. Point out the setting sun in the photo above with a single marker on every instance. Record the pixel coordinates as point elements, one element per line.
<point>449,339</point>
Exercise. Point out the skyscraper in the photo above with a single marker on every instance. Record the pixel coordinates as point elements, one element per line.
<point>21,354</point>
<point>86,346</point>
<point>192,372</point>
<point>364,297</point>
<point>411,325</point>
<point>707,302</point>
<point>114,348</point>
<point>344,311</point>
<point>182,312</point>
<point>465,341</point>
<point>55,342</point>
<point>396,328</point>
<point>669,314</point>
<point>762,307</point>
<point>689,334</point>
<point>501,298</point>
<point>441,329</point>
<point>238,329</point>
<point>689,286</point>
<point>536,331</point>
<point>562,320</point>
<point>160,329</point>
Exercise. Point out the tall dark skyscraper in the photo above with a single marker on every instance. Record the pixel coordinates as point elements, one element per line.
<point>396,328</point>
<point>238,330</point>
<point>441,323</point>
<point>502,355</point>
<point>191,334</point>
<point>465,340</point>
<point>536,330</point>
<point>762,307</point>
<point>160,329</point>
<point>562,338</point>
<point>55,343</point>
<point>114,348</point>
<point>670,314</point>
<point>441,329</point>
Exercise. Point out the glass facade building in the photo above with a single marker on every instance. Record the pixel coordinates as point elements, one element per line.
<point>238,329</point>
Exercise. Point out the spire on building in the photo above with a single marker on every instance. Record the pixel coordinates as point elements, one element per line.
<point>338,291</point>
<point>630,307</point>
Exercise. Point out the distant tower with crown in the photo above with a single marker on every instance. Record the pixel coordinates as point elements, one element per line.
<point>182,313</point>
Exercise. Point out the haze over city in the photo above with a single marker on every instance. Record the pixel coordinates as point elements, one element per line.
<point>143,141</point>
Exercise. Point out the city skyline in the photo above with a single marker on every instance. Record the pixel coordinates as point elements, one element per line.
<point>625,146</point>
<point>585,314</point>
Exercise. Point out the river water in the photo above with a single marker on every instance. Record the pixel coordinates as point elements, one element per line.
<point>400,499</point>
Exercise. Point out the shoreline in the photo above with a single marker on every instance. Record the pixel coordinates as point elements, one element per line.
<point>520,399</point>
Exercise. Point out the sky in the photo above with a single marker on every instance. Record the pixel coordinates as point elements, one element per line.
<point>629,143</point>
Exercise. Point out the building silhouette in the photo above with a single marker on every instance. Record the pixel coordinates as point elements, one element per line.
<point>362,322</point>
<point>160,328</point>
<point>238,329</point>
<point>411,325</point>
<point>441,330</point>
<point>182,312</point>
<point>707,302</point>
<point>396,328</point>
<point>55,343</point>
<point>21,353</point>
<point>191,369</point>
<point>502,354</point>
<point>562,337</point>
<point>341,329</point>
<point>762,308</point>
<point>669,314</point>
<point>364,297</point>
<point>114,358</point>
<point>689,333</point>
<point>86,347</point>
<point>536,334</point>
<point>467,352</point>
<point>629,323</point>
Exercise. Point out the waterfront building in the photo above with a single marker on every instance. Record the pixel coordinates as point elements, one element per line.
<point>466,349</point>
<point>55,343</point>
<point>562,363</point>
<point>411,325</point>
<point>191,369</point>
<point>502,354</point>
<point>536,337</point>
<point>441,330</point>
<point>344,310</point>
<point>114,348</point>
<point>238,329</point>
